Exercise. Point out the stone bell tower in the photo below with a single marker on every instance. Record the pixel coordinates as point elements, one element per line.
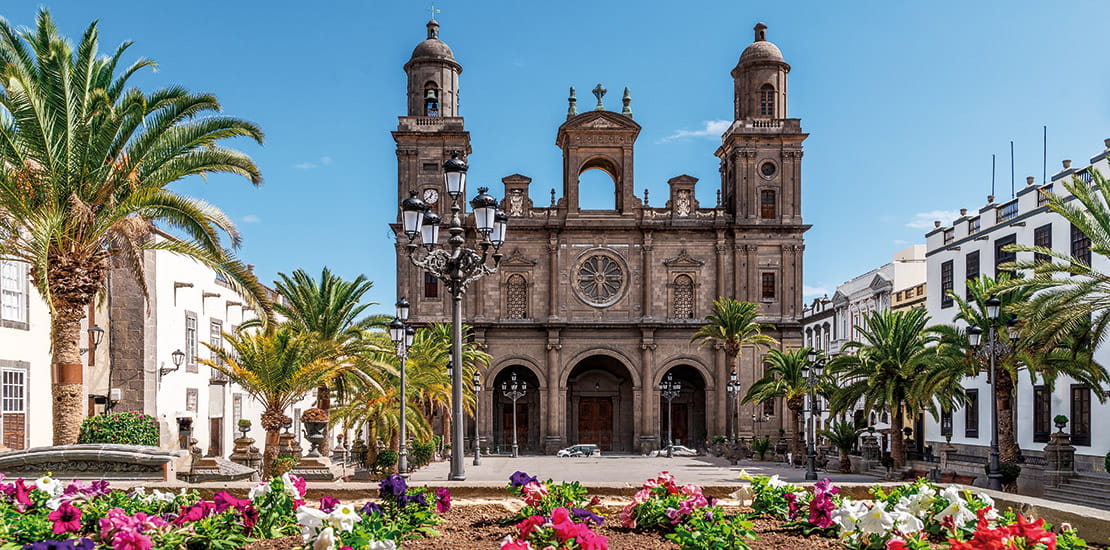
<point>426,137</point>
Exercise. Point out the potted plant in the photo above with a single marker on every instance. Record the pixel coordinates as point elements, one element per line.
<point>1060,421</point>
<point>1008,474</point>
<point>761,445</point>
<point>888,462</point>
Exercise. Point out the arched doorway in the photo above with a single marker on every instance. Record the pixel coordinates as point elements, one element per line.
<point>687,410</point>
<point>527,412</point>
<point>599,404</point>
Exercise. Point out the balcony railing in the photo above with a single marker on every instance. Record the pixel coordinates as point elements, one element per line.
<point>1007,211</point>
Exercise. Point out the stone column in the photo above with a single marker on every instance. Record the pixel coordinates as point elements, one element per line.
<point>649,424</point>
<point>647,271</point>
<point>751,285</point>
<point>721,369</point>
<point>555,415</point>
<point>722,258</point>
<point>553,277</point>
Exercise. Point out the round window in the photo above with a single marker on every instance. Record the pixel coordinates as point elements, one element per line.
<point>600,280</point>
<point>768,169</point>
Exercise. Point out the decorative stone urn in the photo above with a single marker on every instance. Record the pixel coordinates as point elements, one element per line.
<point>314,433</point>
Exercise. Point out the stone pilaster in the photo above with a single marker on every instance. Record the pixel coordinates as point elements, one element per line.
<point>555,420</point>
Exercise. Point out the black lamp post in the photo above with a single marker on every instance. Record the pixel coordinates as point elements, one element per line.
<point>993,351</point>
<point>670,388</point>
<point>477,381</point>
<point>457,266</point>
<point>178,357</point>
<point>812,370</point>
<point>757,420</point>
<point>514,389</point>
<point>733,389</point>
<point>403,336</point>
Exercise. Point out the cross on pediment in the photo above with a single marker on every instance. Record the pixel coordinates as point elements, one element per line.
<point>599,92</point>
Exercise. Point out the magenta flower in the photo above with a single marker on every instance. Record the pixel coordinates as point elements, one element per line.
<point>224,501</point>
<point>327,504</point>
<point>443,500</point>
<point>21,492</point>
<point>131,540</point>
<point>66,518</point>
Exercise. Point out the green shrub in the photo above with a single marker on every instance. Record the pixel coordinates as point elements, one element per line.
<point>1009,472</point>
<point>421,454</point>
<point>719,439</point>
<point>761,445</point>
<point>124,428</point>
<point>285,464</point>
<point>387,459</point>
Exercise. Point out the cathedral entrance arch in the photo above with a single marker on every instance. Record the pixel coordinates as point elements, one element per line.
<point>600,404</point>
<point>527,412</point>
<point>687,411</point>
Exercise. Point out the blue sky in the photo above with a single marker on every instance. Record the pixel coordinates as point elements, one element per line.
<point>904,101</point>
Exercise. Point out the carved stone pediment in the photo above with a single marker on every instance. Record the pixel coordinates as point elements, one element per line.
<point>517,259</point>
<point>683,259</point>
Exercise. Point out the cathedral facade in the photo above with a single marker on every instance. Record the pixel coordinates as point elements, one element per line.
<point>594,308</point>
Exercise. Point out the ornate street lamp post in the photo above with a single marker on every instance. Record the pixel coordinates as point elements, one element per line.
<point>993,351</point>
<point>457,266</point>
<point>670,388</point>
<point>514,389</point>
<point>477,380</point>
<point>402,335</point>
<point>733,389</point>
<point>812,370</point>
<point>757,420</point>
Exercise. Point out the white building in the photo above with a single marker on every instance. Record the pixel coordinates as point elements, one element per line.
<point>973,245</point>
<point>830,323</point>
<point>24,360</point>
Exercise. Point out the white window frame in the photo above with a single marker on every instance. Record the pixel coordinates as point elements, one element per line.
<point>6,398</point>
<point>13,287</point>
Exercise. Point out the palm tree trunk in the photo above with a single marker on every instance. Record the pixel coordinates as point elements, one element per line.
<point>796,405</point>
<point>1007,442</point>
<point>272,421</point>
<point>68,388</point>
<point>845,462</point>
<point>897,444</point>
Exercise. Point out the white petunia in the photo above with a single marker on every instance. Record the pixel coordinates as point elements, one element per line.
<point>325,540</point>
<point>161,496</point>
<point>49,485</point>
<point>960,513</point>
<point>259,492</point>
<point>876,521</point>
<point>774,482</point>
<point>744,494</point>
<point>381,545</point>
<point>310,520</point>
<point>290,488</point>
<point>848,514</point>
<point>344,517</point>
<point>54,503</point>
<point>907,522</point>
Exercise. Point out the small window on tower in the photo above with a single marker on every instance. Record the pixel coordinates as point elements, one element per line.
<point>767,205</point>
<point>767,100</point>
<point>431,99</point>
<point>768,283</point>
<point>431,286</point>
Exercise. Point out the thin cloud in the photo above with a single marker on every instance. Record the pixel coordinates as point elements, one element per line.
<point>251,218</point>
<point>924,220</point>
<point>814,291</point>
<point>713,128</point>
<point>324,161</point>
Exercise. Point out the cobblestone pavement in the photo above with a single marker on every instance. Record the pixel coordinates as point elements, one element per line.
<point>702,470</point>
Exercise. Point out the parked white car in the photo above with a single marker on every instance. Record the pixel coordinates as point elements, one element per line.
<point>580,450</point>
<point>677,450</point>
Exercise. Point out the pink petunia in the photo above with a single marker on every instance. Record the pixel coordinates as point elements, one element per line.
<point>510,544</point>
<point>67,518</point>
<point>131,540</point>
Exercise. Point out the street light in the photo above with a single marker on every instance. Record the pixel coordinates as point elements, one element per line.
<point>514,390</point>
<point>455,265</point>
<point>993,351</point>
<point>403,336</point>
<point>178,357</point>
<point>97,335</point>
<point>812,370</point>
<point>670,388</point>
<point>733,389</point>
<point>477,381</point>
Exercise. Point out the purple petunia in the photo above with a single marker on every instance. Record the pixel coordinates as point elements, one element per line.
<point>586,516</point>
<point>520,479</point>
<point>370,508</point>
<point>393,486</point>
<point>327,504</point>
<point>71,544</point>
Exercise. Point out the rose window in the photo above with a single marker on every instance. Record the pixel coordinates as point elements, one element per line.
<point>600,280</point>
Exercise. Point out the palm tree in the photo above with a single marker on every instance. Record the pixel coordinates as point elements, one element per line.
<point>895,370</point>
<point>843,435</point>
<point>85,162</point>
<point>1041,350</point>
<point>331,308</point>
<point>784,377</point>
<point>276,366</point>
<point>1070,293</point>
<point>732,325</point>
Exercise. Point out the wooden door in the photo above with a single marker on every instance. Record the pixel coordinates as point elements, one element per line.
<point>679,427</point>
<point>521,426</point>
<point>595,422</point>
<point>216,439</point>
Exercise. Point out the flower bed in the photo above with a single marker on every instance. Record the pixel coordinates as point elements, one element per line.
<point>45,514</point>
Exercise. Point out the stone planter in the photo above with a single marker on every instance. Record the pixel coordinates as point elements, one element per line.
<point>314,433</point>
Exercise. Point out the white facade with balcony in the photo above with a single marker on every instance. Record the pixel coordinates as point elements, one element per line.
<point>973,245</point>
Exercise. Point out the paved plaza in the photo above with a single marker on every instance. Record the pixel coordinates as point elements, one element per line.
<point>631,469</point>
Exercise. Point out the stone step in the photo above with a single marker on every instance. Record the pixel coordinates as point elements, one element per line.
<point>1092,479</point>
<point>1085,489</point>
<point>1064,495</point>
